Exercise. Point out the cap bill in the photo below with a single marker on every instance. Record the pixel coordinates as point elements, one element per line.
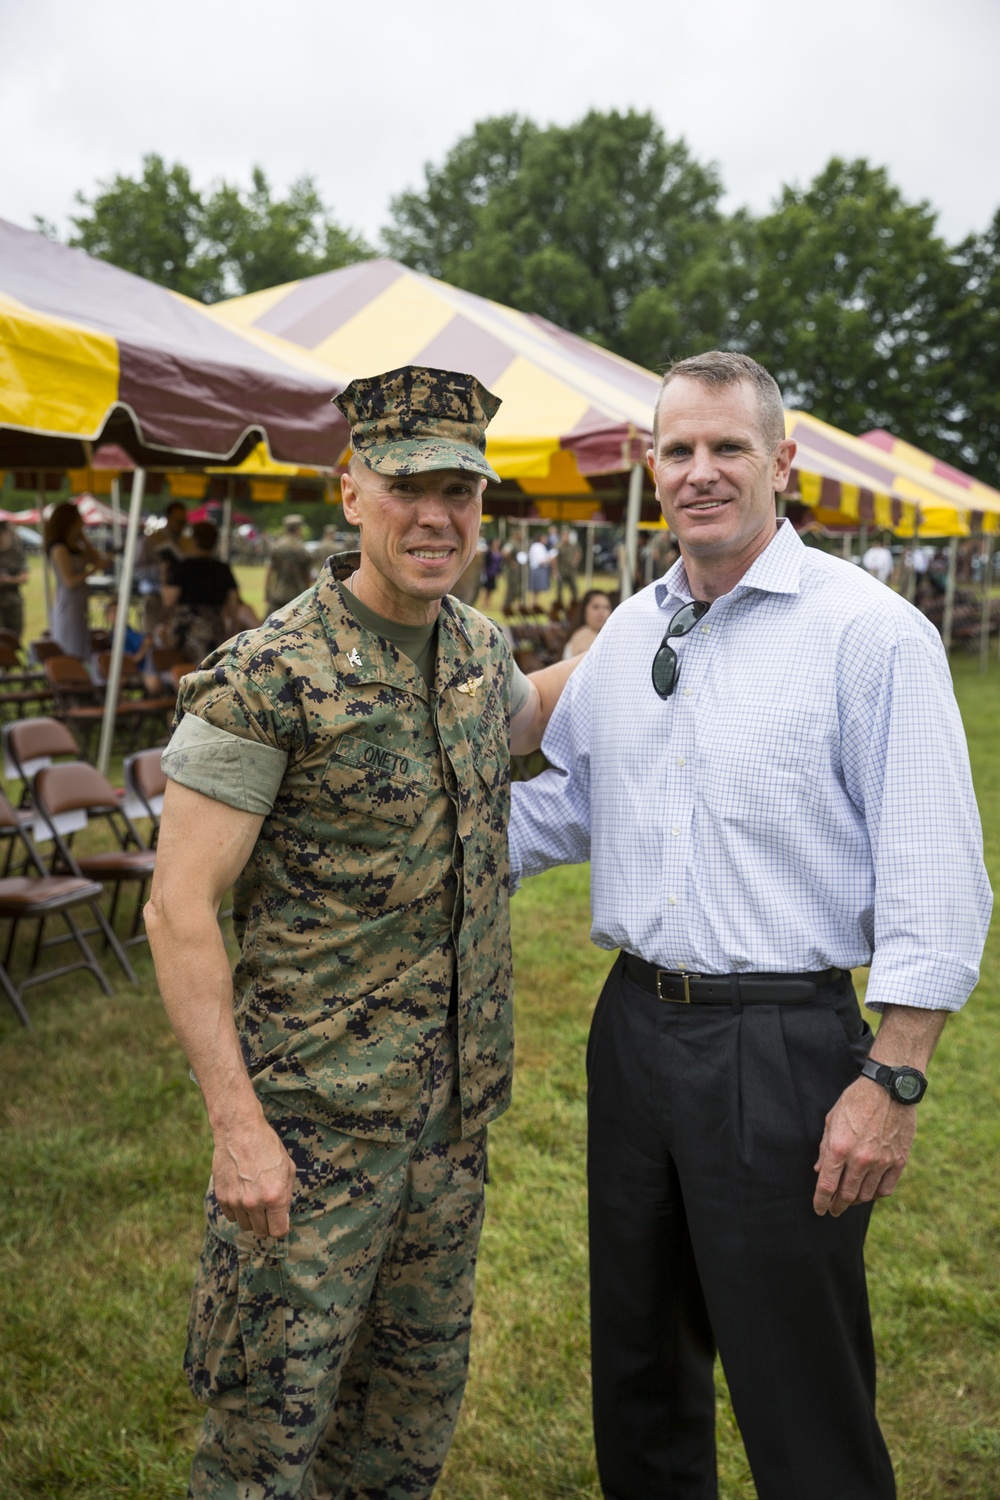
<point>420,455</point>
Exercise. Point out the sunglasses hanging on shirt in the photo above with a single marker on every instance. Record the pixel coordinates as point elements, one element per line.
<point>666,663</point>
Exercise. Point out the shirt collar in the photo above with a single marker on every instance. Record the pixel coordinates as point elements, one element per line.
<point>778,570</point>
<point>351,644</point>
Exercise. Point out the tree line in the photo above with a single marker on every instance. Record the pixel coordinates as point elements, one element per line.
<point>844,290</point>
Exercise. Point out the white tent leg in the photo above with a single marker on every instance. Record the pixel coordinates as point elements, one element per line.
<point>630,559</point>
<point>949,594</point>
<point>588,576</point>
<point>46,575</point>
<point>121,621</point>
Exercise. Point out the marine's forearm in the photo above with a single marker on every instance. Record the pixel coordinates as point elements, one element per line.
<point>193,973</point>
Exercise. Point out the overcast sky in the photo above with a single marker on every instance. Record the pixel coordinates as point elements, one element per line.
<point>361,96</point>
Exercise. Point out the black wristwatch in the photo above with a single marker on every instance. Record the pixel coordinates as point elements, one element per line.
<point>906,1085</point>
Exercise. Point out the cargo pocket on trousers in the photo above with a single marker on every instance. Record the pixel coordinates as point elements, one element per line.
<point>236,1354</point>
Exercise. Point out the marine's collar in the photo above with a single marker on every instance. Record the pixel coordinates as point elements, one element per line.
<point>350,642</point>
<point>778,570</point>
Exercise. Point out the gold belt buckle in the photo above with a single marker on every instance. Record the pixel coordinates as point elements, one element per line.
<point>675,974</point>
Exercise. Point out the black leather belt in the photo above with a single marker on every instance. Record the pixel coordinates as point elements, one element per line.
<point>727,989</point>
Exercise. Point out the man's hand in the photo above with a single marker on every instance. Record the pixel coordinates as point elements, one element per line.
<point>864,1149</point>
<point>253,1177</point>
<point>868,1134</point>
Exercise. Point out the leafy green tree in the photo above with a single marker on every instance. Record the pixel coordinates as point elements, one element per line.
<point>604,226</point>
<point>973,335</point>
<point>151,225</point>
<point>260,241</point>
<point>215,244</point>
<point>847,291</point>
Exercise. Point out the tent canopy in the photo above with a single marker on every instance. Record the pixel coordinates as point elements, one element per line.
<point>568,405</point>
<point>92,353</point>
<point>982,498</point>
<point>835,472</point>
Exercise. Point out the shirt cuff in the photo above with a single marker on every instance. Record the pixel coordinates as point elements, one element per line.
<point>244,774</point>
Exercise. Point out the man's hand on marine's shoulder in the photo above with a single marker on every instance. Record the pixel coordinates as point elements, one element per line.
<point>868,1135</point>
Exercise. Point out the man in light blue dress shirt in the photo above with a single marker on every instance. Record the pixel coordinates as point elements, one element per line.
<point>762,757</point>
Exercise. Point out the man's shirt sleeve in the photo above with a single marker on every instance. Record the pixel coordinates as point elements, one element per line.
<point>520,687</point>
<point>550,815</point>
<point>906,767</point>
<point>232,744</point>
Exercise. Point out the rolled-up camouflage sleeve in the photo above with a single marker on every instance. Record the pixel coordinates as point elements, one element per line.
<point>230,742</point>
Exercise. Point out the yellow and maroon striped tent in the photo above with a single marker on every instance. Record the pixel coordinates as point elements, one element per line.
<point>90,354</point>
<point>571,411</point>
<point>983,499</point>
<point>850,481</point>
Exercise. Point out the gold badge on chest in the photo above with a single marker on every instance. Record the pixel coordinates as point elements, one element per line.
<point>471,685</point>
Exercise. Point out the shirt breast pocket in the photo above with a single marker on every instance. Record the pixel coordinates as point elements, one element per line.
<point>361,824</point>
<point>763,764</point>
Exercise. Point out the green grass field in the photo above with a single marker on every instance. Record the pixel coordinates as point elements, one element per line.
<point>106,1154</point>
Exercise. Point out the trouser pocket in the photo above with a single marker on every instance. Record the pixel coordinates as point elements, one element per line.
<point>236,1354</point>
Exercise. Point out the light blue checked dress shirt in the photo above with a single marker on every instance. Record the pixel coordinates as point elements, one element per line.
<point>803,800</point>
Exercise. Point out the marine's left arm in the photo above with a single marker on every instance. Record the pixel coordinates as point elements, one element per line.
<point>906,767</point>
<point>529,723</point>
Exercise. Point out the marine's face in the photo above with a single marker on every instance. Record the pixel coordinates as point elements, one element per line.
<point>715,475</point>
<point>418,535</point>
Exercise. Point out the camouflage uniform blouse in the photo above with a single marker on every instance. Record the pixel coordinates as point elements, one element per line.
<point>380,872</point>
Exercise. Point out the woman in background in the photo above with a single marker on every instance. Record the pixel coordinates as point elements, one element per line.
<point>202,597</point>
<point>595,609</point>
<point>72,559</point>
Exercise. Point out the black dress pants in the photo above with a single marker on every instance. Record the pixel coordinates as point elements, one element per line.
<point>704,1124</point>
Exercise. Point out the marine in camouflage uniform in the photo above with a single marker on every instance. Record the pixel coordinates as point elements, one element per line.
<point>13,563</point>
<point>289,569</point>
<point>372,1006</point>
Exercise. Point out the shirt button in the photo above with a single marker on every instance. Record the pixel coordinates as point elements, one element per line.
<point>672,900</point>
<point>682,760</point>
<point>705,629</point>
<point>688,692</point>
<point>676,832</point>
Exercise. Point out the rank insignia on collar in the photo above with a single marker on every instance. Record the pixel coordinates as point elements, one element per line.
<point>471,685</point>
<point>353,658</point>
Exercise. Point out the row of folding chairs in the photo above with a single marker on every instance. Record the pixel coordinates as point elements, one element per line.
<point>60,798</point>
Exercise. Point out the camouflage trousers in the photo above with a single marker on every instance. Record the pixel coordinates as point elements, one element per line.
<point>333,1361</point>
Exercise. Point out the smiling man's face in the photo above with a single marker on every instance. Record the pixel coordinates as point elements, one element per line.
<point>418,535</point>
<point>715,475</point>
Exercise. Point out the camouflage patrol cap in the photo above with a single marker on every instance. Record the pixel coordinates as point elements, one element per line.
<point>414,419</point>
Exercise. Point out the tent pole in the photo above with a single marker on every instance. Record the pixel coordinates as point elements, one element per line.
<point>227,522</point>
<point>911,582</point>
<point>588,576</point>
<point>984,629</point>
<point>862,543</point>
<point>46,575</point>
<point>949,594</point>
<point>116,510</point>
<point>121,621</point>
<point>630,558</point>
<point>845,546</point>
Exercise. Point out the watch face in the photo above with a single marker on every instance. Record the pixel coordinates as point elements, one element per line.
<point>907,1087</point>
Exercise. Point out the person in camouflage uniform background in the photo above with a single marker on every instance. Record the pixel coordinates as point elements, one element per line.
<point>346,768</point>
<point>13,574</point>
<point>289,568</point>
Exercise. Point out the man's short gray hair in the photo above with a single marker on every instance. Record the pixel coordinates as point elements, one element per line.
<point>721,367</point>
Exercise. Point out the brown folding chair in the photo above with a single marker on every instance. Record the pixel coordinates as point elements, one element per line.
<point>58,793</point>
<point>145,783</point>
<point>131,682</point>
<point>34,898</point>
<point>79,702</point>
<point>31,744</point>
<point>45,648</point>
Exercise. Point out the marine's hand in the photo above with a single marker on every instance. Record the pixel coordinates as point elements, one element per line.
<point>253,1177</point>
<point>864,1148</point>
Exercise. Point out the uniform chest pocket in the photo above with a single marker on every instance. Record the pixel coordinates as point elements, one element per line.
<point>368,807</point>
